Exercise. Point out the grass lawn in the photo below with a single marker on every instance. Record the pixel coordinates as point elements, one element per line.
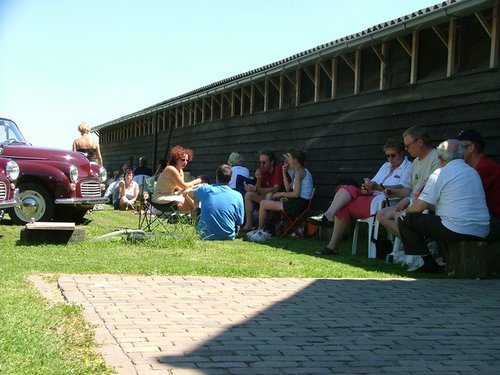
<point>37,337</point>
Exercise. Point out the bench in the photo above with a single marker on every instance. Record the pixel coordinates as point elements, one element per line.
<point>473,259</point>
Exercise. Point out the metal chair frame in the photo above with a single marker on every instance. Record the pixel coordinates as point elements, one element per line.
<point>149,220</point>
<point>292,222</point>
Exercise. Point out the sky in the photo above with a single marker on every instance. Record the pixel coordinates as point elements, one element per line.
<point>67,61</point>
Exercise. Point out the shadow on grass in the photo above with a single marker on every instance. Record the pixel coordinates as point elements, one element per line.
<point>307,246</point>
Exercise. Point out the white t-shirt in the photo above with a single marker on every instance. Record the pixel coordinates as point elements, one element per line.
<point>457,193</point>
<point>238,170</point>
<point>400,176</point>
<point>130,191</point>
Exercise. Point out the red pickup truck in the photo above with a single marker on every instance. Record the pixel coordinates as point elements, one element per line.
<point>53,184</point>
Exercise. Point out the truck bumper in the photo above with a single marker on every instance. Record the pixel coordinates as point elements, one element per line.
<point>81,201</point>
<point>15,201</point>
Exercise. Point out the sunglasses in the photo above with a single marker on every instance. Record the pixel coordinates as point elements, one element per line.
<point>412,142</point>
<point>390,155</point>
<point>184,159</point>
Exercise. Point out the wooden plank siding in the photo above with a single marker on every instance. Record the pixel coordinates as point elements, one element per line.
<point>341,108</point>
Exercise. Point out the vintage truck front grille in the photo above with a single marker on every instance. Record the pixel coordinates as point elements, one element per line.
<point>3,190</point>
<point>90,189</point>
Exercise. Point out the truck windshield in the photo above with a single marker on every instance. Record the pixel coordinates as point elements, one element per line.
<point>9,133</point>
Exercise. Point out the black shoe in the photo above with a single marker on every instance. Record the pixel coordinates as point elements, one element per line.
<point>430,266</point>
<point>326,251</point>
<point>320,220</point>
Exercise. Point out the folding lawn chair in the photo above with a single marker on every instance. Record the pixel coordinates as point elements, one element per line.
<point>153,215</point>
<point>291,223</point>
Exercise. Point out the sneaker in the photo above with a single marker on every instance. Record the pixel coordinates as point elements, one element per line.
<point>414,262</point>
<point>326,251</point>
<point>250,234</point>
<point>258,235</point>
<point>320,220</point>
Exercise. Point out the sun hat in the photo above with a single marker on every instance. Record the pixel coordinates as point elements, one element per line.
<point>235,159</point>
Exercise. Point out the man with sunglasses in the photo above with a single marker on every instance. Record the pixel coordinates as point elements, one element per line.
<point>417,143</point>
<point>269,181</point>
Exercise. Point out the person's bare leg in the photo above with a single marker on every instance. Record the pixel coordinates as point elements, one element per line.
<point>341,199</point>
<point>267,205</point>
<point>250,200</point>
<point>339,229</point>
<point>386,217</point>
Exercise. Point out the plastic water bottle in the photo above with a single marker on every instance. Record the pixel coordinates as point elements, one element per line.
<point>433,249</point>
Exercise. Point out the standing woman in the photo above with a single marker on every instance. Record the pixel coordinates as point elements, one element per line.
<point>87,145</point>
<point>170,186</point>
<point>297,193</point>
<point>128,191</point>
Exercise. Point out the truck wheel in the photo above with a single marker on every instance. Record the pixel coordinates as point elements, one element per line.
<point>36,204</point>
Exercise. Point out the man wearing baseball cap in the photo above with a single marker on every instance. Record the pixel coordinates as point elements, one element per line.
<point>488,169</point>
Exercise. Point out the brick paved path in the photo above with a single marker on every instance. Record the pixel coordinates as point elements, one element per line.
<point>204,325</point>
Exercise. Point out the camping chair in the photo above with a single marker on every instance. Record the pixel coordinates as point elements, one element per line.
<point>153,215</point>
<point>291,223</point>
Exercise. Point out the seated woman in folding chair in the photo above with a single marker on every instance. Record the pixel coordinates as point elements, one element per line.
<point>293,200</point>
<point>170,187</point>
<point>353,202</point>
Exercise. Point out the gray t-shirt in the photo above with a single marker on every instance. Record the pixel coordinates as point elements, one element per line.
<point>421,169</point>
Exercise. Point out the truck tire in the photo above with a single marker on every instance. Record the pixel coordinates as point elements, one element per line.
<point>36,204</point>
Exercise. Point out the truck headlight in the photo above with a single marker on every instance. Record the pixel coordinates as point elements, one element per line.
<point>73,173</point>
<point>12,170</point>
<point>103,175</point>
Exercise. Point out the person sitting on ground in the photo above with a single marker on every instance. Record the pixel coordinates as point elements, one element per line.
<point>128,191</point>
<point>162,164</point>
<point>171,185</point>
<point>352,202</point>
<point>112,188</point>
<point>488,169</point>
<point>296,196</point>
<point>87,145</point>
<point>143,168</point>
<point>222,208</point>
<point>269,182</point>
<point>417,143</point>
<point>455,192</point>
<point>236,161</point>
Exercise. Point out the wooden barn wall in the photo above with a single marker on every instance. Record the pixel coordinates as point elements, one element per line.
<point>343,138</point>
